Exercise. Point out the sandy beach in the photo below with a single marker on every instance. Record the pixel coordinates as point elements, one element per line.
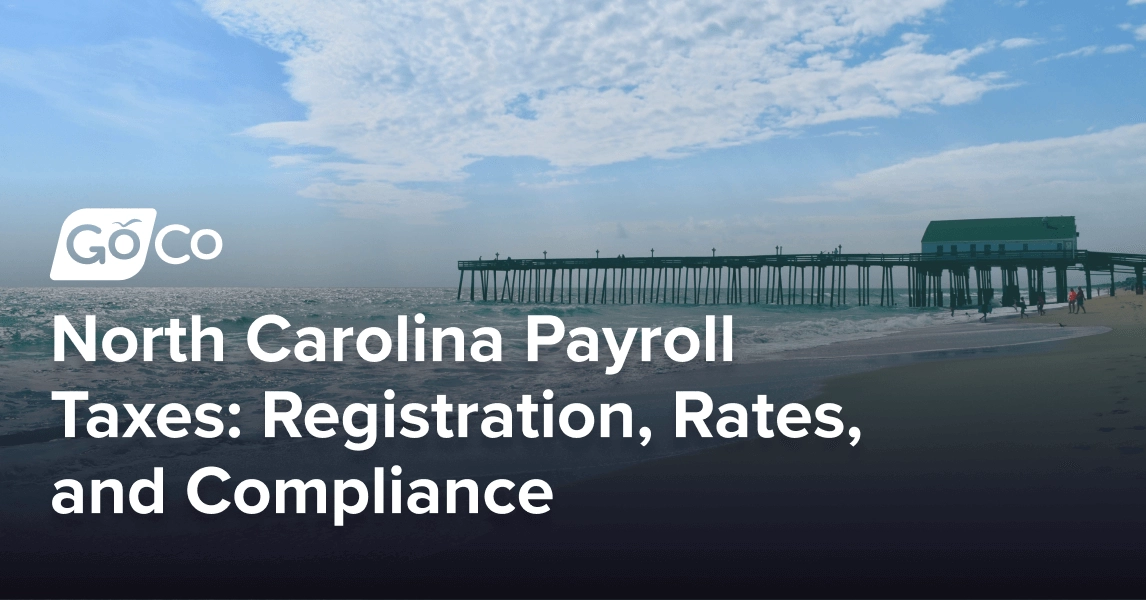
<point>1018,474</point>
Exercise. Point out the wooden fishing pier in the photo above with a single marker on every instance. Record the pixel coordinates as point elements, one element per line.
<point>785,279</point>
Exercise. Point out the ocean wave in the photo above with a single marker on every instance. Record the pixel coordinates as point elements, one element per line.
<point>760,331</point>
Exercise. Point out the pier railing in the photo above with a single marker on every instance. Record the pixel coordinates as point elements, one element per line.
<point>820,278</point>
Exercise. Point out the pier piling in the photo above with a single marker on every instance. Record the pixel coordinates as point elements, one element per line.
<point>772,279</point>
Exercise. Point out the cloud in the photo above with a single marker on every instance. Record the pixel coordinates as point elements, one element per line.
<point>1090,51</point>
<point>1084,51</point>
<point>555,183</point>
<point>1133,2</point>
<point>375,199</point>
<point>1012,43</point>
<point>416,91</point>
<point>1140,33</point>
<point>1104,170</point>
<point>117,84</point>
<point>857,132</point>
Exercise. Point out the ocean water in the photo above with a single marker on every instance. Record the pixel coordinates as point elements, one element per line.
<point>27,369</point>
<point>30,422</point>
<point>26,315</point>
<point>759,331</point>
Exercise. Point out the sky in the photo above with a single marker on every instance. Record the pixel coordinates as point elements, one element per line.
<point>376,143</point>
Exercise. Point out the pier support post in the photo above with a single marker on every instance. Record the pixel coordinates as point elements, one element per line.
<point>887,274</point>
<point>1060,282</point>
<point>719,281</point>
<point>912,286</point>
<point>882,285</point>
<point>867,285</point>
<point>832,295</point>
<point>966,286</point>
<point>978,286</point>
<point>780,284</point>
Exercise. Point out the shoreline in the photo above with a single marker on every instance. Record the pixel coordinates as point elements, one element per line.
<point>951,363</point>
<point>801,375</point>
<point>1002,473</point>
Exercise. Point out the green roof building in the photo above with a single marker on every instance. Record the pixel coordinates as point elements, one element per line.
<point>991,236</point>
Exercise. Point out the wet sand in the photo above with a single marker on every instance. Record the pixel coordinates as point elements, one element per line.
<point>1005,474</point>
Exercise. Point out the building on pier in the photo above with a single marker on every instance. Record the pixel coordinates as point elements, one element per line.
<point>972,237</point>
<point>952,250</point>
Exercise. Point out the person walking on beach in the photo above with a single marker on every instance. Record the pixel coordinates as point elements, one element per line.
<point>1022,306</point>
<point>1042,299</point>
<point>1070,298</point>
<point>1078,301</point>
<point>984,308</point>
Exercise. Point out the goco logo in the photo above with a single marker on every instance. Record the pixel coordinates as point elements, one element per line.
<point>110,244</point>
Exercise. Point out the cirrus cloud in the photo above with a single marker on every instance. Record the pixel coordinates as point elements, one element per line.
<point>410,91</point>
<point>1018,42</point>
<point>1097,177</point>
<point>1101,170</point>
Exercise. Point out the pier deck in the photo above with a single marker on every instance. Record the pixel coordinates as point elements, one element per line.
<point>782,278</point>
